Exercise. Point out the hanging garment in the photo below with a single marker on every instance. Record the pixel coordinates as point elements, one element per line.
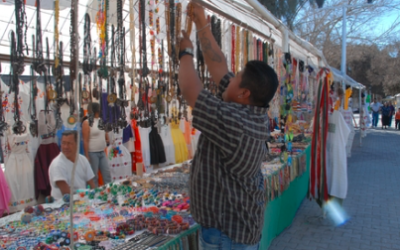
<point>137,156</point>
<point>168,143</point>
<point>348,118</point>
<point>181,150</point>
<point>128,138</point>
<point>187,133</point>
<point>5,194</point>
<point>195,139</point>
<point>145,144</point>
<point>110,114</point>
<point>318,187</point>
<point>336,167</point>
<point>157,152</point>
<point>119,158</point>
<point>19,173</point>
<point>347,95</point>
<point>48,150</point>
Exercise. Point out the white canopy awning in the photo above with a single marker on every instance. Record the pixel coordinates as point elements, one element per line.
<point>338,76</point>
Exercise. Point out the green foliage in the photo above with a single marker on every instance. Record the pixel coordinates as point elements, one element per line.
<point>285,10</point>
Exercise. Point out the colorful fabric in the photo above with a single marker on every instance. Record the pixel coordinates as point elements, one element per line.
<point>318,186</point>
<point>138,157</point>
<point>157,152</point>
<point>181,150</point>
<point>119,159</point>
<point>5,194</point>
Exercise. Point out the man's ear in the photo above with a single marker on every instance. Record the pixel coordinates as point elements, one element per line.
<point>246,93</point>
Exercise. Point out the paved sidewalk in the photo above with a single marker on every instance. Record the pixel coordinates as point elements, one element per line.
<point>373,203</point>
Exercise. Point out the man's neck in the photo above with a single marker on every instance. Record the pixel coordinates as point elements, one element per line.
<point>73,159</point>
<point>70,158</point>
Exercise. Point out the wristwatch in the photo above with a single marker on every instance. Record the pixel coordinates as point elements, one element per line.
<point>186,51</point>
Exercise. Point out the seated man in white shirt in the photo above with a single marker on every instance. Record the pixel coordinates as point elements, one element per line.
<point>60,170</point>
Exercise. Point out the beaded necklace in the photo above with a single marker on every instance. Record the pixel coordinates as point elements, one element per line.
<point>18,127</point>
<point>111,96</point>
<point>50,92</point>
<point>56,32</point>
<point>143,84</point>
<point>38,63</point>
<point>170,26</point>
<point>33,125</point>
<point>87,67</point>
<point>245,47</point>
<point>237,50</point>
<point>189,21</point>
<point>73,67</point>
<point>121,102</point>
<point>233,60</point>
<point>20,22</point>
<point>101,21</point>
<point>134,110</point>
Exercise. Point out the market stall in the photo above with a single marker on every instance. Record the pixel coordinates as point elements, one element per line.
<point>132,76</point>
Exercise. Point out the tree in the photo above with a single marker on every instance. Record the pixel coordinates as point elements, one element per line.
<point>285,10</point>
<point>372,53</point>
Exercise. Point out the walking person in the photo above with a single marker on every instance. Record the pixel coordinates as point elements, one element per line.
<point>227,194</point>
<point>94,144</point>
<point>375,107</point>
<point>392,113</point>
<point>397,118</point>
<point>385,115</point>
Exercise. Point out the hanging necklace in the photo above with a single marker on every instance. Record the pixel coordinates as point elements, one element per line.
<point>132,75</point>
<point>245,47</point>
<point>33,125</point>
<point>122,103</point>
<point>237,50</point>
<point>73,66</point>
<point>21,23</point>
<point>87,67</point>
<point>177,31</point>
<point>38,63</point>
<point>169,27</point>
<point>18,127</point>
<point>143,61</point>
<point>189,21</point>
<point>233,61</point>
<point>33,93</point>
<point>101,21</point>
<point>51,93</point>
<point>111,96</point>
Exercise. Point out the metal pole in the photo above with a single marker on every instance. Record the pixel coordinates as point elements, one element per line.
<point>344,35</point>
<point>74,5</point>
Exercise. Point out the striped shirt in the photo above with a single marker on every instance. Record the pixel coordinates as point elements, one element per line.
<point>226,184</point>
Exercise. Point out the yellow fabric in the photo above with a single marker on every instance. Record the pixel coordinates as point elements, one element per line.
<point>346,99</point>
<point>181,150</point>
<point>337,104</point>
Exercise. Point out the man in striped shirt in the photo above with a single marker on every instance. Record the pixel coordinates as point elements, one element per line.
<point>226,185</point>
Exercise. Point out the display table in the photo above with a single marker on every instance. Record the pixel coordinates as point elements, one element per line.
<point>280,212</point>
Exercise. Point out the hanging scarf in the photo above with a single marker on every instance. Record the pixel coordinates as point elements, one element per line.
<point>318,185</point>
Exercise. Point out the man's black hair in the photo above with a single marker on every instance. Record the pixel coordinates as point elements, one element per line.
<point>262,82</point>
<point>95,107</point>
<point>71,132</point>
